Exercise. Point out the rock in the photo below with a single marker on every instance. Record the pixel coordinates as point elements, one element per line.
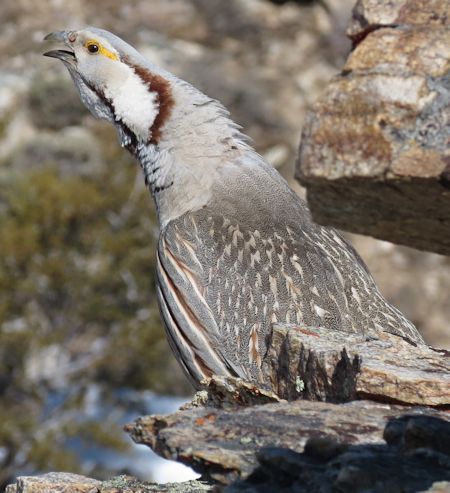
<point>229,392</point>
<point>240,418</point>
<point>300,446</point>
<point>374,154</point>
<point>318,364</point>
<point>412,432</point>
<point>439,487</point>
<point>73,483</point>
<point>57,482</point>
<point>372,14</point>
<point>349,468</point>
<point>321,365</point>
<point>227,441</point>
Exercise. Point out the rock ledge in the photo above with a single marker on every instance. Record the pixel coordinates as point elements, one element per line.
<point>374,154</point>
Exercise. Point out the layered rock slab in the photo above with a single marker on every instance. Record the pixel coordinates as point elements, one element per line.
<point>221,434</point>
<point>223,444</point>
<point>319,364</point>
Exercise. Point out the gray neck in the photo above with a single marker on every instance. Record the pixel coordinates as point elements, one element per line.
<point>199,144</point>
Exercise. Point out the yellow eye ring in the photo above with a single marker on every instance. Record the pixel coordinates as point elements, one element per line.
<point>93,48</point>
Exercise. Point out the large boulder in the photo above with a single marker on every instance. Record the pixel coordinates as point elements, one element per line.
<point>375,153</point>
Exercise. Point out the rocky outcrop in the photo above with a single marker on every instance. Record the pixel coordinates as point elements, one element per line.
<point>286,447</point>
<point>317,364</point>
<point>375,154</point>
<point>326,437</point>
<point>249,433</point>
<point>232,425</point>
<point>402,465</point>
<point>62,482</point>
<point>228,441</point>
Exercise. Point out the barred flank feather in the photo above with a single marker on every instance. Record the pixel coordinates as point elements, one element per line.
<point>239,281</point>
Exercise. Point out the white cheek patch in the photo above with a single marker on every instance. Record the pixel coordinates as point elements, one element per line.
<point>134,104</point>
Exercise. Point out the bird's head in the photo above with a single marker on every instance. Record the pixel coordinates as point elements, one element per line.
<point>184,141</point>
<point>116,83</point>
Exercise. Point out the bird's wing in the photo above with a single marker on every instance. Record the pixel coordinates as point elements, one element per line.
<point>190,325</point>
<point>223,284</point>
<point>314,266</point>
<point>229,271</point>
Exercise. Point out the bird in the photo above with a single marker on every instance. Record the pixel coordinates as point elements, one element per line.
<point>238,250</point>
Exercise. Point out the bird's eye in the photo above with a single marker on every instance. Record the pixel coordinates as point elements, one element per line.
<point>92,48</point>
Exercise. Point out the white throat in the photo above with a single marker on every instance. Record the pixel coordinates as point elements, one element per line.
<point>134,104</point>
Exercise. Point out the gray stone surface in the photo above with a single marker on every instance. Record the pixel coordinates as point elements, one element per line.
<point>375,154</point>
<point>329,466</point>
<point>223,443</point>
<point>222,440</point>
<point>57,482</point>
<point>61,482</point>
<point>317,364</point>
<point>285,447</point>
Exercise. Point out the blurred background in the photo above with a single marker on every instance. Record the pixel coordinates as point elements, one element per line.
<point>82,349</point>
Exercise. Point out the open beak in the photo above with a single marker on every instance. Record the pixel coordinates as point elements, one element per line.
<point>66,56</point>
